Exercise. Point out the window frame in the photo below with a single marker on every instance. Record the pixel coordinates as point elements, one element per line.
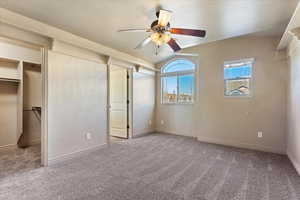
<point>251,88</point>
<point>177,74</point>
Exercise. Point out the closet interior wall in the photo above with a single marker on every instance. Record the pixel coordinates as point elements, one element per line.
<point>32,103</point>
<point>10,102</point>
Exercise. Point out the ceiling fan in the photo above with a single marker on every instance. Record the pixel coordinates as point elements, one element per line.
<point>161,32</point>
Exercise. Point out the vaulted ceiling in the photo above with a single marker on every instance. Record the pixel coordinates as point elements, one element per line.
<point>99,20</point>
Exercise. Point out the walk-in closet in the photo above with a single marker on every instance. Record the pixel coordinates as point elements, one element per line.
<point>20,108</point>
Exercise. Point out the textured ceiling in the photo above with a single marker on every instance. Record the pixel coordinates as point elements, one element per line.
<point>99,20</point>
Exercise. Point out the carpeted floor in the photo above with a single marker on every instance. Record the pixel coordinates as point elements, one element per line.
<point>160,167</point>
<point>19,160</point>
<point>116,139</point>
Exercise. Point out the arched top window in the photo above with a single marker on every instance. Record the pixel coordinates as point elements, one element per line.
<point>179,65</point>
<point>178,82</point>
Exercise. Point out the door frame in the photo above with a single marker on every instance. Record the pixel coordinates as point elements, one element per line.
<point>44,118</point>
<point>111,63</point>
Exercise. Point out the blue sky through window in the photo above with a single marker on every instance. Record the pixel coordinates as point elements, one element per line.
<point>170,84</point>
<point>186,82</point>
<point>179,65</point>
<point>244,71</point>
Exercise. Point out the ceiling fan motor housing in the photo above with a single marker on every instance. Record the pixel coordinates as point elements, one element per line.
<point>159,29</point>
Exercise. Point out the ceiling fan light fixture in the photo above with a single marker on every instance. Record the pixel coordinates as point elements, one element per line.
<point>166,37</point>
<point>160,38</point>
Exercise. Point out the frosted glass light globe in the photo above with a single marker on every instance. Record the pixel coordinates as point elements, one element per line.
<point>160,38</point>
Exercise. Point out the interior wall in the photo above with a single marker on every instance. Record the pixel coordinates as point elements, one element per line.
<point>12,32</point>
<point>233,121</point>
<point>77,105</point>
<point>16,52</point>
<point>32,91</point>
<point>293,137</point>
<point>64,48</point>
<point>8,113</point>
<point>143,102</point>
<point>9,69</point>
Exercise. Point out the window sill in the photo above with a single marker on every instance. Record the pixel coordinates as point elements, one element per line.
<point>178,103</point>
<point>238,97</point>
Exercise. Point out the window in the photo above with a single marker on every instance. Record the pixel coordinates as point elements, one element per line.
<point>237,78</point>
<point>178,82</point>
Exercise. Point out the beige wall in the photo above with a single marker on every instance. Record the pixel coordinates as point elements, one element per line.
<point>64,48</point>
<point>28,37</point>
<point>9,69</point>
<point>32,97</point>
<point>77,104</point>
<point>234,121</point>
<point>143,103</point>
<point>32,87</point>
<point>293,139</point>
<point>8,113</point>
<point>16,52</point>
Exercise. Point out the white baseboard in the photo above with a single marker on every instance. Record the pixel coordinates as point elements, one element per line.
<point>241,145</point>
<point>294,162</point>
<point>8,147</point>
<point>34,142</point>
<point>173,132</point>
<point>141,134</point>
<point>72,155</point>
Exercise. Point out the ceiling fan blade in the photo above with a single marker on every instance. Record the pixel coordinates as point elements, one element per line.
<point>187,54</point>
<point>143,43</point>
<point>173,44</point>
<point>192,32</point>
<point>164,17</point>
<point>135,30</point>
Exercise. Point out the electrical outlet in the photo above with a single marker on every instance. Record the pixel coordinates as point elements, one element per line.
<point>259,134</point>
<point>88,136</point>
<point>162,122</point>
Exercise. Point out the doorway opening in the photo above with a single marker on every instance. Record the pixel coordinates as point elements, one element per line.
<point>20,102</point>
<point>119,103</point>
<point>21,90</point>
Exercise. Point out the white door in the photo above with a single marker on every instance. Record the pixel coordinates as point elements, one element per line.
<point>118,102</point>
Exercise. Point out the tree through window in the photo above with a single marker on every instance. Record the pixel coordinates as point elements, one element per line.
<point>178,82</point>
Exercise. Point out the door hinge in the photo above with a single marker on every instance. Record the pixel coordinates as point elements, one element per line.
<point>128,101</point>
<point>127,76</point>
<point>128,127</point>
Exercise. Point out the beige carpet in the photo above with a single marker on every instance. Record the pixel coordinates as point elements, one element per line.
<point>116,139</point>
<point>160,167</point>
<point>19,160</point>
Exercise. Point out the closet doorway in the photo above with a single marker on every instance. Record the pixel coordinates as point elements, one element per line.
<point>21,91</point>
